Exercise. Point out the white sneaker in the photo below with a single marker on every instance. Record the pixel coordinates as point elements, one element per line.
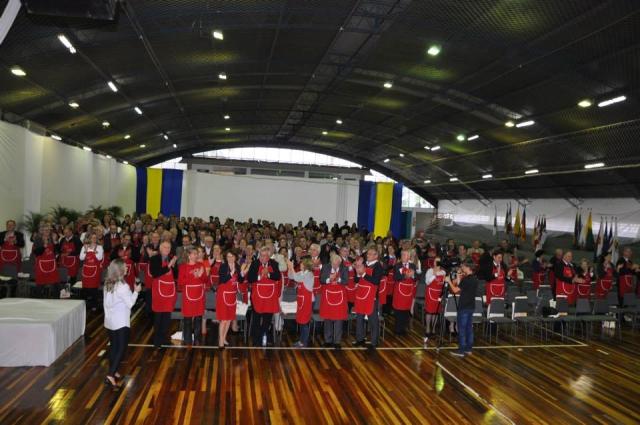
<point>264,341</point>
<point>426,341</point>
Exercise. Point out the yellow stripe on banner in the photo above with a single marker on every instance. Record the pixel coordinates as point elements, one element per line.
<point>154,191</point>
<point>384,200</point>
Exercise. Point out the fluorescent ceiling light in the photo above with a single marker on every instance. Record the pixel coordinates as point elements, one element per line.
<point>453,179</point>
<point>125,162</point>
<point>218,35</point>
<point>428,148</point>
<point>594,165</point>
<point>143,146</point>
<point>112,86</point>
<point>386,160</point>
<point>138,110</point>
<point>222,76</point>
<point>474,137</point>
<point>175,146</point>
<point>226,117</point>
<point>65,41</point>
<point>106,124</point>
<point>427,181</point>
<point>17,71</point>
<point>401,155</point>
<point>227,129</point>
<point>487,176</point>
<point>435,148</point>
<point>324,133</point>
<point>74,105</point>
<point>460,137</point>
<point>56,137</point>
<point>165,136</point>
<point>509,124</point>
<point>388,84</point>
<point>534,171</point>
<point>612,101</point>
<point>585,103</point>
<point>86,148</point>
<point>339,121</point>
<point>108,156</point>
<point>433,50</point>
<point>127,136</point>
<point>525,123</point>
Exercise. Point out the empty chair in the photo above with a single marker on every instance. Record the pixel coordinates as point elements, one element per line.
<point>562,307</point>
<point>495,316</point>
<point>545,291</point>
<point>478,311</point>
<point>451,310</point>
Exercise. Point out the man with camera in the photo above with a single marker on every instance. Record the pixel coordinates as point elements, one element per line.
<point>464,285</point>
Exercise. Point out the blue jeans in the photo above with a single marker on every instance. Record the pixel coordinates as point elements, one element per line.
<point>465,330</point>
<point>304,334</point>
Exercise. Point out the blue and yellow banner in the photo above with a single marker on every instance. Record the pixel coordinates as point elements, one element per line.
<point>380,208</point>
<point>158,191</point>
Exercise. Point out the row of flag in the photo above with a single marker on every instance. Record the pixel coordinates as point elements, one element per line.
<point>519,227</point>
<point>605,242</point>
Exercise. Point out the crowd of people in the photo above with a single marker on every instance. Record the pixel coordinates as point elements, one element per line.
<point>333,272</point>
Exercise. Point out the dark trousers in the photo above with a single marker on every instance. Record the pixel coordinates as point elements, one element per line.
<point>93,297</point>
<point>333,331</point>
<point>374,324</point>
<point>304,334</point>
<point>119,340</point>
<point>161,322</point>
<point>402,321</point>
<point>146,294</point>
<point>51,290</point>
<point>260,324</point>
<point>465,330</point>
<point>191,326</point>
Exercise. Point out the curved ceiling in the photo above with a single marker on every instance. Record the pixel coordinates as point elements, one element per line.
<point>295,67</point>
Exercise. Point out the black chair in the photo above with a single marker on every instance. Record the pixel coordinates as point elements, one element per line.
<point>562,306</point>
<point>9,278</point>
<point>496,316</point>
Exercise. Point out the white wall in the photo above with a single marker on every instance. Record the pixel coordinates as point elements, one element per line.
<point>560,214</point>
<point>279,199</point>
<point>37,173</point>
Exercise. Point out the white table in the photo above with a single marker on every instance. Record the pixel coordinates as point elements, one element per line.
<point>36,332</point>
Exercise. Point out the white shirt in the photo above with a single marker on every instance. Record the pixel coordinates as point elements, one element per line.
<point>117,306</point>
<point>431,276</point>
<point>99,252</point>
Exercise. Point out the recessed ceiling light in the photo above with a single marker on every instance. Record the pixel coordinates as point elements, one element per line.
<point>433,50</point>
<point>227,129</point>
<point>453,179</point>
<point>65,41</point>
<point>534,171</point>
<point>175,146</point>
<point>138,110</point>
<point>435,148</point>
<point>166,137</point>
<point>509,124</point>
<point>428,148</point>
<point>222,76</point>
<point>612,101</point>
<point>127,136</point>
<point>324,133</point>
<point>125,162</point>
<point>17,71</point>
<point>585,103</point>
<point>143,146</point>
<point>594,165</point>
<point>401,155</point>
<point>487,176</point>
<point>427,181</point>
<point>460,137</point>
<point>74,105</point>
<point>388,84</point>
<point>56,137</point>
<point>86,148</point>
<point>106,124</point>
<point>386,160</point>
<point>112,86</point>
<point>108,156</point>
<point>474,137</point>
<point>525,124</point>
<point>339,121</point>
<point>218,35</point>
<point>226,117</point>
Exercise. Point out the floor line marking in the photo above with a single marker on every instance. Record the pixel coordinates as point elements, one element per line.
<point>475,393</point>
<point>603,352</point>
<point>417,348</point>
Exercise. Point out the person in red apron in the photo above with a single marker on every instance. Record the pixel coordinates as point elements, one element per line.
<point>91,256</point>
<point>567,278</point>
<point>431,257</point>
<point>606,275</point>
<point>163,287</point>
<point>626,271</point>
<point>227,295</point>
<point>216,262</point>
<point>11,244</point>
<point>149,250</point>
<point>557,258</point>
<point>314,251</point>
<point>405,276</point>
<point>583,290</point>
<point>476,252</point>
<point>192,282</point>
<point>129,255</point>
<point>284,253</point>
<point>264,278</point>
<point>111,241</point>
<point>334,309</point>
<point>368,276</point>
<point>539,268</point>
<point>386,284</point>
<point>351,284</point>
<point>304,297</point>
<point>513,269</point>
<point>495,286</point>
<point>434,279</point>
<point>46,270</point>
<point>69,248</point>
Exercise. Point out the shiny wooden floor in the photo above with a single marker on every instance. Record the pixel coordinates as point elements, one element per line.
<point>560,383</point>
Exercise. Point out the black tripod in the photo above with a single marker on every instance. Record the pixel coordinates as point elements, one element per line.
<point>441,315</point>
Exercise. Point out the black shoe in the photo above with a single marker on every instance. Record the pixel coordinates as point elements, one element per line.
<point>359,344</point>
<point>337,346</point>
<point>327,345</point>
<point>372,347</point>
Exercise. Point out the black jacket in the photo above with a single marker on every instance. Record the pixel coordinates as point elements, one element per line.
<point>252,275</point>
<point>325,273</point>
<point>225,274</point>
<point>375,276</point>
<point>19,238</point>
<point>155,267</point>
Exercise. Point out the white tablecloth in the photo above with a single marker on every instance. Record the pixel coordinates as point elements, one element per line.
<point>36,332</point>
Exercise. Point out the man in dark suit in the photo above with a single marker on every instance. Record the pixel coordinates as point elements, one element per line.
<point>334,273</point>
<point>11,231</point>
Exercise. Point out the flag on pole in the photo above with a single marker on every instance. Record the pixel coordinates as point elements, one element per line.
<point>495,220</point>
<point>589,242</point>
<point>543,231</point>
<point>599,240</point>
<point>507,220</point>
<point>516,226</point>
<point>576,229</point>
<point>523,225</point>
<point>614,242</point>
<point>582,240</point>
<point>606,242</point>
<point>535,232</point>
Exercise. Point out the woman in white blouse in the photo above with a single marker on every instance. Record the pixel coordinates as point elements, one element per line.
<point>118,300</point>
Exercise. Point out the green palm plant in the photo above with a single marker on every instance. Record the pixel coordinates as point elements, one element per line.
<point>60,211</point>
<point>31,222</point>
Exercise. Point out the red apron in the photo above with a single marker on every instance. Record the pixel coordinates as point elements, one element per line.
<point>428,263</point>
<point>513,269</point>
<point>264,294</point>
<point>564,288</point>
<point>193,289</point>
<point>163,295</point>
<point>475,257</point>
<point>495,287</point>
<point>148,279</point>
<point>214,276</point>
<point>10,253</point>
<point>316,277</point>
<point>365,295</point>
<point>333,304</point>
<point>46,270</point>
<point>67,259</point>
<point>603,286</point>
<point>226,298</point>
<point>351,284</point>
<point>304,301</point>
<point>404,292</point>
<point>91,271</point>
<point>625,284</point>
<point>538,279</point>
<point>130,267</point>
<point>433,295</point>
<point>386,283</point>
<point>584,289</point>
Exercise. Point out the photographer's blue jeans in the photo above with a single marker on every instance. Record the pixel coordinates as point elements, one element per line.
<point>465,330</point>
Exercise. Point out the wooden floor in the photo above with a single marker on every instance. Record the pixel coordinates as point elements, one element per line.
<point>561,383</point>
